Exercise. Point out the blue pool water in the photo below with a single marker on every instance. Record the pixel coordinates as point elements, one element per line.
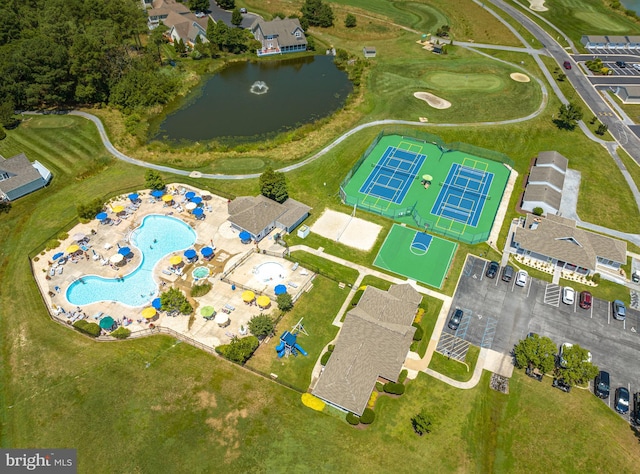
<point>156,237</point>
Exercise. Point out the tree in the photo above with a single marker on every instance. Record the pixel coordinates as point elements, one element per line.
<point>421,423</point>
<point>173,300</point>
<point>89,210</point>
<point>602,129</point>
<point>7,118</point>
<point>261,325</point>
<point>561,77</point>
<point>5,206</point>
<point>576,368</point>
<point>273,185</point>
<point>285,302</point>
<point>180,47</point>
<point>156,38</point>
<point>443,31</point>
<point>350,21</point>
<point>227,4</point>
<point>236,17</point>
<point>317,13</point>
<point>239,349</point>
<point>153,180</point>
<point>568,116</point>
<point>536,351</point>
<point>199,5</point>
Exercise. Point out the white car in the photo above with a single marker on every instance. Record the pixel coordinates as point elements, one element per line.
<point>563,348</point>
<point>568,295</point>
<point>521,278</point>
<point>636,66</point>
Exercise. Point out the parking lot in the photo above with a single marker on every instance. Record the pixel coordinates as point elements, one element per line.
<point>628,70</point>
<point>498,314</point>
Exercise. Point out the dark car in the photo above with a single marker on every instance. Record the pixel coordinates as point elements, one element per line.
<point>622,400</point>
<point>601,385</point>
<point>619,310</point>
<point>507,273</point>
<point>562,385</point>
<point>621,64</point>
<point>567,65</point>
<point>635,277</point>
<point>635,414</point>
<point>585,300</point>
<point>454,322</point>
<point>492,271</point>
<point>243,10</point>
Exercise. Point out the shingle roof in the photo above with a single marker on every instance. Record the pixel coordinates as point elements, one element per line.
<point>596,39</point>
<point>20,171</point>
<point>254,214</point>
<point>542,193</point>
<point>558,237</point>
<point>295,210</point>
<point>283,29</point>
<point>373,342</point>
<point>617,39</point>
<point>552,158</point>
<point>547,175</point>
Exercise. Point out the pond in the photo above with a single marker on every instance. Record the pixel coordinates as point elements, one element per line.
<point>250,101</point>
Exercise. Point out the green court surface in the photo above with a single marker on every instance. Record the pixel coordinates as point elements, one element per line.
<point>418,202</point>
<point>426,265</point>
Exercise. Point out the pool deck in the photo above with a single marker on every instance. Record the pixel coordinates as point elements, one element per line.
<point>214,229</point>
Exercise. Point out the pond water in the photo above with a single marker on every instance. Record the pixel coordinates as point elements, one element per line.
<point>250,101</point>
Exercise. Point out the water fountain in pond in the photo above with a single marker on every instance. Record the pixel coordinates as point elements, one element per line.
<point>259,88</point>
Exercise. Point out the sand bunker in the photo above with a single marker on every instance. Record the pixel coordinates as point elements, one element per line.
<point>518,77</point>
<point>433,100</point>
<point>537,6</point>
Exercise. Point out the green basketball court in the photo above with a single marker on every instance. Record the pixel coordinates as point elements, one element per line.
<point>417,255</point>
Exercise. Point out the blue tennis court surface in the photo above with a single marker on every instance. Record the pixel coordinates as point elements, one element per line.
<point>463,194</point>
<point>392,176</point>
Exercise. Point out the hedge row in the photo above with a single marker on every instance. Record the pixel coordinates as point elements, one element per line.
<point>121,333</point>
<point>91,329</point>
<point>419,334</point>
<point>325,358</point>
<point>394,388</point>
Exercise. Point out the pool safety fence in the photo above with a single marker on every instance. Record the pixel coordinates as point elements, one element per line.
<point>237,264</point>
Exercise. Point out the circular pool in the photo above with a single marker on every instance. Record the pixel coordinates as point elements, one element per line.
<point>200,272</point>
<point>269,271</point>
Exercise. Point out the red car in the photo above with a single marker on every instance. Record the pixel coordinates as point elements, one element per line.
<point>585,300</point>
<point>567,65</point>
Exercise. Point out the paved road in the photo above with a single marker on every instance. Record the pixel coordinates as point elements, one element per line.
<point>225,16</point>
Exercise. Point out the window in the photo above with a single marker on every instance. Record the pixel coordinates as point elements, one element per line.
<point>298,34</point>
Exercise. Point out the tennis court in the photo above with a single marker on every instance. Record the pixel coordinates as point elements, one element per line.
<point>416,255</point>
<point>463,194</point>
<point>442,190</point>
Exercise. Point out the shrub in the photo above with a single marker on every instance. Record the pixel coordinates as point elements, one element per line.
<point>368,416</point>
<point>325,358</point>
<point>121,333</point>
<point>419,316</point>
<point>63,235</point>
<point>52,244</point>
<point>538,211</point>
<point>403,376</point>
<point>357,296</point>
<point>372,399</point>
<point>353,419</point>
<point>174,300</point>
<point>3,134</point>
<point>312,402</point>
<point>394,388</point>
<point>331,347</point>
<point>595,278</point>
<point>239,350</point>
<point>285,302</point>
<point>91,329</point>
<point>200,290</point>
<point>261,325</point>
<point>419,334</point>
<point>379,386</point>
<point>88,211</point>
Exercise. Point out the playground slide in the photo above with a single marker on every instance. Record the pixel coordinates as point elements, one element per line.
<point>280,347</point>
<point>300,349</point>
<point>281,354</point>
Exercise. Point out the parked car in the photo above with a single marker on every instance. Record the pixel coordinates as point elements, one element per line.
<point>563,349</point>
<point>521,278</point>
<point>621,64</point>
<point>601,384</point>
<point>635,414</point>
<point>562,385</point>
<point>568,295</point>
<point>619,310</point>
<point>622,400</point>
<point>243,10</point>
<point>455,319</point>
<point>507,273</point>
<point>585,300</point>
<point>635,276</point>
<point>636,66</point>
<point>567,65</point>
<point>492,271</point>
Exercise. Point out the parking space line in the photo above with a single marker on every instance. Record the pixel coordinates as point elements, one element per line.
<point>483,270</point>
<point>608,314</point>
<point>530,285</point>
<point>591,311</point>
<point>575,305</point>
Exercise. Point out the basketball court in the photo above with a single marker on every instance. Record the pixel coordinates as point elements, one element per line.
<point>417,255</point>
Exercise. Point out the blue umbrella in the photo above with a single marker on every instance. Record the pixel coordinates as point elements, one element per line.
<point>280,289</point>
<point>157,304</point>
<point>206,251</point>
<point>60,254</point>
<point>197,212</point>
<point>190,254</point>
<point>244,235</point>
<point>102,216</point>
<point>124,251</point>
<point>133,196</point>
<point>196,200</point>
<point>190,195</point>
<point>157,193</point>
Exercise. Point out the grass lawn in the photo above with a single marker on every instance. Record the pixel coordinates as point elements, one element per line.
<point>335,271</point>
<point>319,308</point>
<point>431,308</point>
<point>453,368</point>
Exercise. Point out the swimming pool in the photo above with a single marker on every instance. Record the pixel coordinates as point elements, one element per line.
<point>156,237</point>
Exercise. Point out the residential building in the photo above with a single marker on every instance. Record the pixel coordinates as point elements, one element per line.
<point>545,183</point>
<point>279,36</point>
<point>19,177</point>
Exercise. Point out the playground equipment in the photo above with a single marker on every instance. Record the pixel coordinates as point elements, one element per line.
<point>289,341</point>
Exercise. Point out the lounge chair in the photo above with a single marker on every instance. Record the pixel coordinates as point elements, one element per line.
<point>60,270</point>
<point>295,267</point>
<point>166,272</point>
<point>97,315</point>
<point>292,284</point>
<point>229,307</point>
<point>52,272</point>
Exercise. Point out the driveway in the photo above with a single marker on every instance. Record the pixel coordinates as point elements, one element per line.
<point>498,314</point>
<point>219,14</point>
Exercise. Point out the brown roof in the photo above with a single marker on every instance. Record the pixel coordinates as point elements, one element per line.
<point>254,214</point>
<point>549,158</point>
<point>373,343</point>
<point>283,29</point>
<point>20,171</point>
<point>542,193</point>
<point>558,237</point>
<point>166,7</point>
<point>547,175</point>
<point>294,212</point>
